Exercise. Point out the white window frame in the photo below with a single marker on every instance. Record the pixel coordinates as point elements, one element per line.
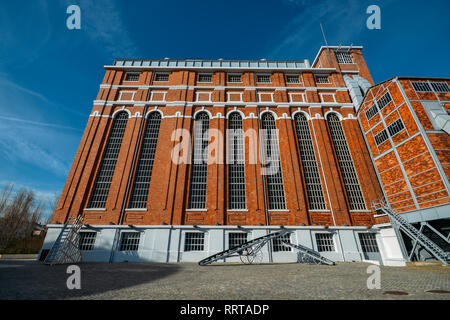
<point>132,73</point>
<point>239,93</point>
<point>161,73</point>
<point>127,91</point>
<point>327,76</point>
<point>164,96</point>
<point>204,74</point>
<point>300,80</point>
<point>263,75</point>
<point>198,93</point>
<point>302,94</point>
<point>234,74</point>
<point>321,94</point>
<point>266,93</point>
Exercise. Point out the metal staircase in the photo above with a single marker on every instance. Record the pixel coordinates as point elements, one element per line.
<point>309,255</point>
<point>416,235</point>
<point>250,250</point>
<point>66,247</point>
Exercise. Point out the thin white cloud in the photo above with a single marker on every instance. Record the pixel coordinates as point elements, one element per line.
<point>42,124</point>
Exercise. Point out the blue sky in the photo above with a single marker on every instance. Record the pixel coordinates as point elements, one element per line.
<point>49,75</point>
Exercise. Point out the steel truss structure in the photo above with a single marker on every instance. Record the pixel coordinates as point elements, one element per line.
<point>418,238</point>
<point>307,255</point>
<point>66,250</point>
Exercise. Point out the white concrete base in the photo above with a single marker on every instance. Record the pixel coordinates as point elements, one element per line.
<point>165,243</point>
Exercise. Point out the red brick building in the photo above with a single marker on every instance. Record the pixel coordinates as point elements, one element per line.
<point>298,118</point>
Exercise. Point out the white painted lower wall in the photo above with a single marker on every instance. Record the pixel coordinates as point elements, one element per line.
<point>165,243</point>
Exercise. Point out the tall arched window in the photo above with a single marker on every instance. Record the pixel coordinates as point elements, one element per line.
<point>199,165</point>
<point>236,163</point>
<point>309,163</point>
<point>272,166</point>
<point>348,172</point>
<point>139,193</point>
<point>105,173</point>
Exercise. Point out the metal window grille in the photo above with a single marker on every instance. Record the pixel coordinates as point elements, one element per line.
<point>199,166</point>
<point>277,243</point>
<point>421,86</point>
<point>162,77</point>
<point>129,241</point>
<point>395,127</point>
<point>87,240</point>
<point>440,87</point>
<point>351,183</point>
<point>381,137</point>
<point>108,164</point>
<point>343,57</point>
<point>263,78</point>
<point>194,241</point>
<point>384,100</point>
<point>325,242</point>
<point>371,112</point>
<point>272,166</point>
<point>309,164</point>
<point>234,78</point>
<point>133,77</point>
<point>236,239</point>
<point>204,78</point>
<point>292,79</point>
<point>368,242</point>
<point>236,163</point>
<point>143,175</point>
<point>322,79</point>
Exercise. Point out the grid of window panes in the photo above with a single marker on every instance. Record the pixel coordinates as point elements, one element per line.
<point>194,241</point>
<point>368,242</point>
<point>129,241</point>
<point>205,78</point>
<point>325,242</point>
<point>272,166</point>
<point>108,164</point>
<point>421,86</point>
<point>236,163</point>
<point>292,78</point>
<point>395,127</point>
<point>351,183</point>
<point>322,79</point>
<point>381,137</point>
<point>139,193</point>
<point>371,112</point>
<point>343,57</point>
<point>309,164</point>
<point>236,239</point>
<point>441,87</point>
<point>384,100</point>
<point>199,166</point>
<point>162,77</point>
<point>277,243</point>
<point>263,78</point>
<point>87,240</point>
<point>234,78</point>
<point>132,77</point>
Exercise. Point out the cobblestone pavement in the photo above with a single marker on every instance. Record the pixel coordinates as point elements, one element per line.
<point>33,280</point>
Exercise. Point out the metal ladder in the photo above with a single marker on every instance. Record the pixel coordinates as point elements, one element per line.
<point>416,235</point>
<point>66,247</point>
<point>253,246</point>
<point>312,255</point>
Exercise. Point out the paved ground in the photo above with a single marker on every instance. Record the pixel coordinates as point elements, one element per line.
<point>33,280</point>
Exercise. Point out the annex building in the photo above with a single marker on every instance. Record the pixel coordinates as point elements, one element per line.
<point>181,159</point>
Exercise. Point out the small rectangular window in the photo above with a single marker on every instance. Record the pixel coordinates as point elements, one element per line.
<point>322,79</point>
<point>343,57</point>
<point>132,77</point>
<point>293,78</point>
<point>371,112</point>
<point>234,78</point>
<point>384,100</point>
<point>395,127</point>
<point>381,137</point>
<point>205,78</point>
<point>325,242</point>
<point>277,243</point>
<point>87,240</point>
<point>421,86</point>
<point>129,241</point>
<point>236,239</point>
<point>368,242</point>
<point>441,87</point>
<point>194,241</point>
<point>162,77</point>
<point>263,78</point>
